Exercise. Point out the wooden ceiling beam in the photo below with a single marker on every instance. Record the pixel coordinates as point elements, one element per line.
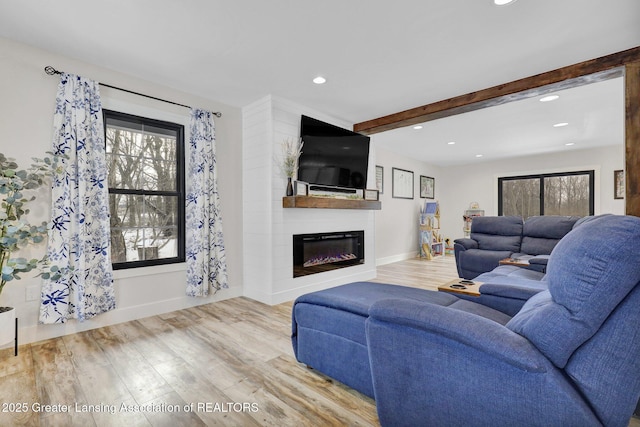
<point>586,72</point>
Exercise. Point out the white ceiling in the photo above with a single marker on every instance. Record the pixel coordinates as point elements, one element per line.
<point>594,115</point>
<point>379,57</point>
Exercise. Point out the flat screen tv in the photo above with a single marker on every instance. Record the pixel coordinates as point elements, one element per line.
<point>332,156</point>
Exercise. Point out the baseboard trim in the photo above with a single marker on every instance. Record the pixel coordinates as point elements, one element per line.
<point>31,334</point>
<point>396,258</point>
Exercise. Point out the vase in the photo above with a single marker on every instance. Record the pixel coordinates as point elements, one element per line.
<point>289,187</point>
<point>7,324</point>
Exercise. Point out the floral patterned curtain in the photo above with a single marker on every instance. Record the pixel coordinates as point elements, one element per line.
<point>79,235</point>
<point>206,262</point>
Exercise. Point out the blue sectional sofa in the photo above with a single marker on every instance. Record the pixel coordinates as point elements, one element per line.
<point>570,356</point>
<point>494,238</point>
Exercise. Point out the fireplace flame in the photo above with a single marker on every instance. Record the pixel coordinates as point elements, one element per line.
<point>328,259</point>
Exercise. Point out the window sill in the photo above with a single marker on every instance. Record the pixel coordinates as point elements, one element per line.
<point>149,271</point>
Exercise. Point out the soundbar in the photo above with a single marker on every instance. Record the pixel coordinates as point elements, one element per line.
<point>333,189</point>
<point>330,191</point>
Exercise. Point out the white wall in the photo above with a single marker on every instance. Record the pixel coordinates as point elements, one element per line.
<point>26,112</point>
<point>479,183</point>
<point>269,229</point>
<point>456,187</point>
<point>397,222</point>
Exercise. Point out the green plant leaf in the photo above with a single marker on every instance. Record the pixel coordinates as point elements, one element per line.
<point>15,232</point>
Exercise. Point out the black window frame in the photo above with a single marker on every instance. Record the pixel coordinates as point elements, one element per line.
<point>541,177</point>
<point>180,185</point>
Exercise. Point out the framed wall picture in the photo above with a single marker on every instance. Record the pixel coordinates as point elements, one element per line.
<point>300,188</point>
<point>401,184</point>
<point>427,187</point>
<point>380,179</point>
<point>618,182</point>
<point>371,195</point>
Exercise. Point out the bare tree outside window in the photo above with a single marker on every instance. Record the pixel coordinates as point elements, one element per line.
<point>569,193</point>
<point>145,190</point>
<point>521,197</point>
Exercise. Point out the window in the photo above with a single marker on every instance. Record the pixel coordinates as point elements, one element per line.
<point>145,159</point>
<point>567,193</point>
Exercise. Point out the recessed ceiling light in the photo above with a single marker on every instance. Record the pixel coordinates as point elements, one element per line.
<point>478,155</point>
<point>451,142</point>
<point>319,80</point>
<point>549,98</point>
<point>568,144</point>
<point>417,127</point>
<point>503,2</point>
<point>559,125</point>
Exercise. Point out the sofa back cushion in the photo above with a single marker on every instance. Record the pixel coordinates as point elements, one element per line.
<point>611,380</point>
<point>590,271</point>
<point>497,233</point>
<point>540,234</point>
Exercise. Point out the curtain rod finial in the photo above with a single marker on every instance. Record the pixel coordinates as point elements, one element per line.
<point>51,71</point>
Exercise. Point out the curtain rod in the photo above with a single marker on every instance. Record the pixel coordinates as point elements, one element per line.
<point>52,71</point>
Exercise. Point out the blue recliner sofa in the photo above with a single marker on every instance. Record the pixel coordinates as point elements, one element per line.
<point>569,357</point>
<point>494,238</point>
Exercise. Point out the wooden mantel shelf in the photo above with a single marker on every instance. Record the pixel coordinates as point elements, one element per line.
<point>329,203</point>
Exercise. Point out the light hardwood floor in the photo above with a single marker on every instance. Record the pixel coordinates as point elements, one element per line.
<point>228,363</point>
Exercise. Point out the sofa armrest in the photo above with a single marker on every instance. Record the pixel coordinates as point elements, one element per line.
<point>539,259</point>
<point>465,244</point>
<point>520,291</point>
<point>486,336</point>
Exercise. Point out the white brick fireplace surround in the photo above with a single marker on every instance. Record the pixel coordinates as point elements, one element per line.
<point>269,228</point>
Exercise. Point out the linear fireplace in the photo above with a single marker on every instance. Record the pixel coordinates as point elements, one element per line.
<point>319,252</point>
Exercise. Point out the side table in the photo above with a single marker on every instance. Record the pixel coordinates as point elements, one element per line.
<point>514,261</point>
<point>462,286</point>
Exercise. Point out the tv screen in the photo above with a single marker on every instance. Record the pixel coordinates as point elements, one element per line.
<point>332,156</point>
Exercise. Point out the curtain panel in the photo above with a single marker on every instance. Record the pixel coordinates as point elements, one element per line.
<point>79,235</point>
<point>205,253</point>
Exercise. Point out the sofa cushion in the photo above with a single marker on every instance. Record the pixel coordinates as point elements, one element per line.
<point>358,297</point>
<point>590,271</point>
<point>328,327</point>
<point>497,233</point>
<point>353,299</point>
<point>540,234</point>
<point>509,274</point>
